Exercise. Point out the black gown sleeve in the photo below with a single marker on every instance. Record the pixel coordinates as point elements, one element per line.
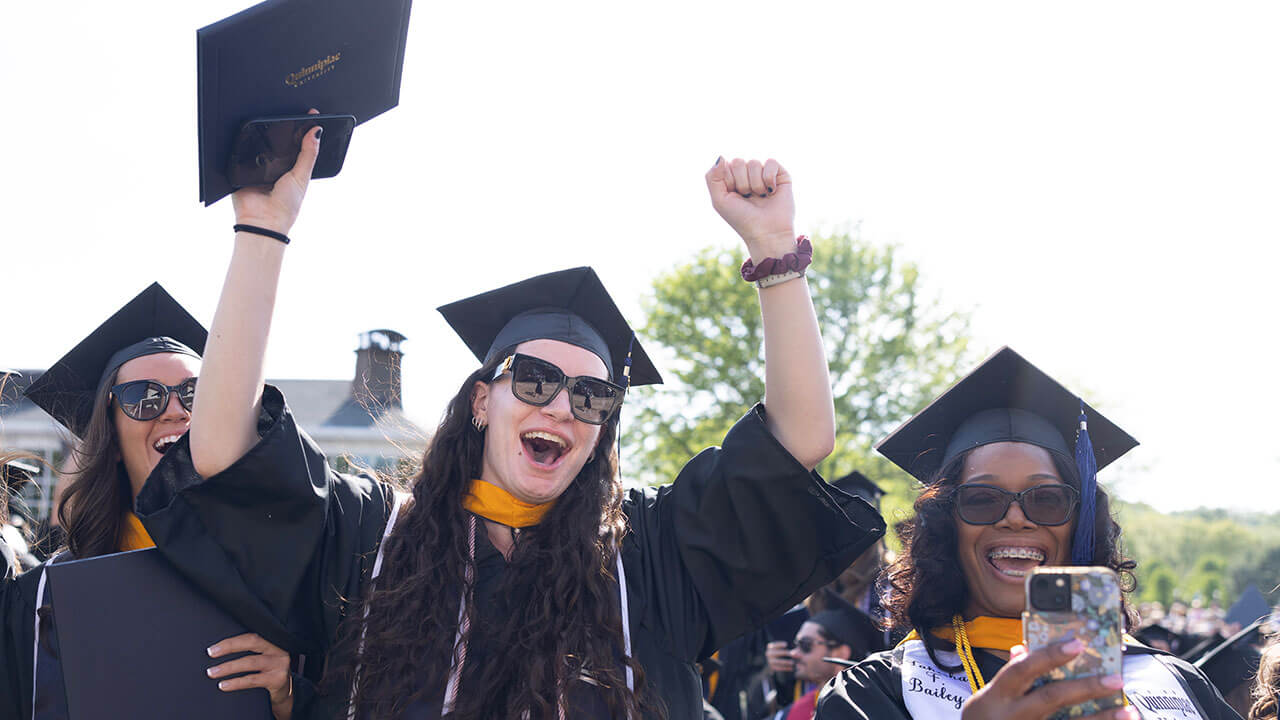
<point>743,534</point>
<point>870,690</point>
<point>1210,700</point>
<point>278,539</point>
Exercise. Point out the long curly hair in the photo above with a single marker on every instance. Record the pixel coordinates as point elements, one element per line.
<point>561,614</point>
<point>1266,688</point>
<point>925,585</point>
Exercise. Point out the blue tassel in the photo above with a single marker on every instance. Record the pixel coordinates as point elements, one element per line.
<point>1087,468</point>
<point>626,365</point>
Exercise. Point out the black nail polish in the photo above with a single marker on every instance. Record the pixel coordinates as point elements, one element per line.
<point>746,195</point>
<point>769,189</point>
<point>717,162</point>
<point>319,132</point>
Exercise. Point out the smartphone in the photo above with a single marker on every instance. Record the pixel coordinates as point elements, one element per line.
<point>266,148</point>
<point>1082,603</point>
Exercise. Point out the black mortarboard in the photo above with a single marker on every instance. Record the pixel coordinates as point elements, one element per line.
<point>570,305</point>
<point>1007,399</point>
<point>283,57</point>
<point>1250,606</point>
<point>1159,633</point>
<point>859,485</point>
<point>132,636</point>
<point>1233,662</point>
<point>153,322</point>
<point>847,624</point>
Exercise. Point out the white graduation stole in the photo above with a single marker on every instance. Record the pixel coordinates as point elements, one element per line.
<point>930,692</point>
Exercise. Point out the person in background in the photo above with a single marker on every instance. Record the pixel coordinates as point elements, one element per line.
<point>16,470</point>
<point>1266,688</point>
<point>841,632</point>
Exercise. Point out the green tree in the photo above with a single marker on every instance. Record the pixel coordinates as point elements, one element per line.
<point>890,349</point>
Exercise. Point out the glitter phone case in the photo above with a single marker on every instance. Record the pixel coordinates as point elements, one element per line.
<point>1076,602</point>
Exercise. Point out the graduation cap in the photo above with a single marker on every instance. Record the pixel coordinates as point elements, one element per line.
<point>1007,399</point>
<point>153,322</point>
<point>859,485</point>
<point>847,624</point>
<point>1249,607</point>
<point>570,305</point>
<point>1233,662</point>
<point>1156,632</point>
<point>283,57</point>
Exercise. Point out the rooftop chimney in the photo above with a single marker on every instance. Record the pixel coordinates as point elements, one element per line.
<point>377,382</point>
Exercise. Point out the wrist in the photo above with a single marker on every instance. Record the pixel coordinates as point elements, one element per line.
<point>274,224</point>
<point>769,245</point>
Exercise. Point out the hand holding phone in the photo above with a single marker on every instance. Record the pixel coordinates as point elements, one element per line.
<point>1010,694</point>
<point>267,148</point>
<point>1077,603</point>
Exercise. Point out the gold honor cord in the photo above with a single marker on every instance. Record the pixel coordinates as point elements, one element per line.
<point>965,651</point>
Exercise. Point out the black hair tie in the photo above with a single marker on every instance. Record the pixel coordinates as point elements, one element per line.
<point>262,231</point>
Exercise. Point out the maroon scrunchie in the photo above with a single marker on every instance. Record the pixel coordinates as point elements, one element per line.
<point>791,262</point>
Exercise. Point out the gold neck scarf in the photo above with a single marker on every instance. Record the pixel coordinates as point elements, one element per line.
<point>493,503</point>
<point>133,536</point>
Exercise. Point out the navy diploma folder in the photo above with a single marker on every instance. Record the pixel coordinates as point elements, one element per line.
<point>283,57</point>
<point>132,635</point>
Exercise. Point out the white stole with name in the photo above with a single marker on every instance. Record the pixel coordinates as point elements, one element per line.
<point>930,692</point>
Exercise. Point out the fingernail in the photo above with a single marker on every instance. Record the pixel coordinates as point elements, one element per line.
<point>1073,647</point>
<point>718,161</point>
<point>770,189</point>
<point>211,672</point>
<point>222,685</point>
<point>319,132</point>
<point>1113,682</point>
<point>746,195</point>
<point>212,650</point>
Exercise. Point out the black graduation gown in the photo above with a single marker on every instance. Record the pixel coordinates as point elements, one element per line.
<point>280,540</point>
<point>17,651</point>
<point>873,687</point>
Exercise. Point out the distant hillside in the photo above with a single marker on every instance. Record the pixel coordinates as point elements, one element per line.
<point>1206,553</point>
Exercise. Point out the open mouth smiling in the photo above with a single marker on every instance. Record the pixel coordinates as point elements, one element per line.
<point>544,449</point>
<point>164,443</point>
<point>1015,560</point>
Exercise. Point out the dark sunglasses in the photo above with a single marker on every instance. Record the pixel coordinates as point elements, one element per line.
<point>806,644</point>
<point>979,504</point>
<point>537,382</point>
<point>147,399</point>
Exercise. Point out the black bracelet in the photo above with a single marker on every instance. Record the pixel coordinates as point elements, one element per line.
<point>263,232</point>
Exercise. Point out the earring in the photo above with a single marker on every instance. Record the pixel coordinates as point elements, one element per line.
<point>479,425</point>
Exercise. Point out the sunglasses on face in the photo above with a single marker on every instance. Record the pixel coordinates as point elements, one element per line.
<point>979,504</point>
<point>537,382</point>
<point>147,399</point>
<point>805,644</point>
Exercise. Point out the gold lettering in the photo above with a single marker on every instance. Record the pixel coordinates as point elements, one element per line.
<point>310,72</point>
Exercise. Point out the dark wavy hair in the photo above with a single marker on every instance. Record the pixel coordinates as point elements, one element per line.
<point>925,585</point>
<point>92,507</point>
<point>559,589</point>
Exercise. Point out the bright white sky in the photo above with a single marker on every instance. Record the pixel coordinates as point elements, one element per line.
<point>1097,181</point>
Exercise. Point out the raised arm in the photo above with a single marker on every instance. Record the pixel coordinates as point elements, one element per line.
<point>756,200</point>
<point>229,393</point>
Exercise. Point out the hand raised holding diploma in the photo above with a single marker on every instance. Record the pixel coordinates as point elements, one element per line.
<point>277,208</point>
